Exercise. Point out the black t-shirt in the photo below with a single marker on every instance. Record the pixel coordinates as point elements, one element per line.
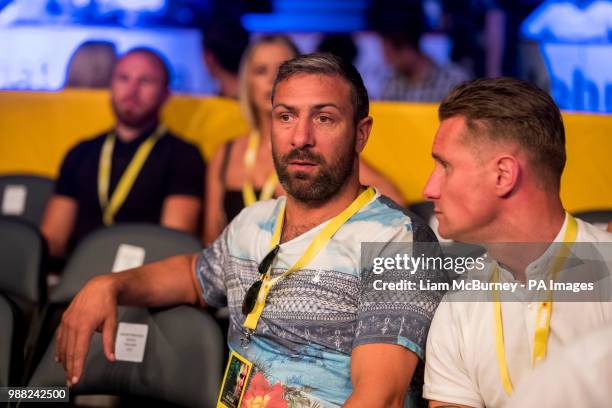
<point>173,167</point>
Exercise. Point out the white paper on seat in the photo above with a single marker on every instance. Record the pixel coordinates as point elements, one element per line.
<point>127,257</point>
<point>14,199</point>
<point>130,342</point>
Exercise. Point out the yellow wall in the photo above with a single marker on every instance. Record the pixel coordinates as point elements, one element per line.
<point>36,129</point>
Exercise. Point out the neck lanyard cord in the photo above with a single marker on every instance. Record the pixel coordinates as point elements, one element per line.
<point>544,311</point>
<point>126,182</point>
<point>315,246</point>
<point>248,192</point>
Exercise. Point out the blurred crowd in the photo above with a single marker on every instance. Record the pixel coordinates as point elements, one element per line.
<point>429,46</point>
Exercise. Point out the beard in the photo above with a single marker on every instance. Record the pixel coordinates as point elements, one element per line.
<point>134,118</point>
<point>316,187</point>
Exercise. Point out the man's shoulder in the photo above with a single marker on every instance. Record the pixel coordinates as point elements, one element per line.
<point>590,233</point>
<point>87,146</point>
<point>260,215</point>
<point>384,214</point>
<point>180,148</point>
<point>458,309</point>
<point>176,142</point>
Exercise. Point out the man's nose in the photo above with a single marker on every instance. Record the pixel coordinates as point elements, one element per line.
<point>303,136</point>
<point>431,191</point>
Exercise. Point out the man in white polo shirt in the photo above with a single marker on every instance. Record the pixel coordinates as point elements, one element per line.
<point>500,153</point>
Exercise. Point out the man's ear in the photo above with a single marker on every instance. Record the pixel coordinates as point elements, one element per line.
<point>508,172</point>
<point>364,127</point>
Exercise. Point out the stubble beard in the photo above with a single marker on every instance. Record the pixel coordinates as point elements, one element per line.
<point>134,119</point>
<point>318,187</point>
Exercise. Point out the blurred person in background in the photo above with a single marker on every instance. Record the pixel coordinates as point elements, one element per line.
<point>415,76</point>
<point>516,57</point>
<point>92,65</point>
<point>341,45</point>
<point>136,172</point>
<point>487,39</point>
<point>224,43</point>
<point>242,171</point>
<point>476,41</point>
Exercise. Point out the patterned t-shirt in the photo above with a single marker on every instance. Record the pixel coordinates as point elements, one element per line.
<point>314,317</point>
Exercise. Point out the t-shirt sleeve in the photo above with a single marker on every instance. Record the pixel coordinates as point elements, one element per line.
<point>398,316</point>
<point>189,172</point>
<point>66,183</point>
<point>446,377</point>
<point>210,271</point>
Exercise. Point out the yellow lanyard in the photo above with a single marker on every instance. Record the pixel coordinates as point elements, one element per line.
<point>110,207</point>
<point>248,193</point>
<point>315,246</point>
<point>542,331</point>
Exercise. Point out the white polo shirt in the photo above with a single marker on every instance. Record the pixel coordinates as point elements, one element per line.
<point>579,377</point>
<point>461,361</point>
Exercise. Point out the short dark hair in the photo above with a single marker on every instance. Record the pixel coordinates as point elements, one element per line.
<point>328,64</point>
<point>513,110</point>
<point>155,56</point>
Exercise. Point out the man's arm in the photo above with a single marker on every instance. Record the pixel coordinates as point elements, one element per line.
<point>58,223</point>
<point>181,212</point>
<point>381,375</point>
<point>167,282</point>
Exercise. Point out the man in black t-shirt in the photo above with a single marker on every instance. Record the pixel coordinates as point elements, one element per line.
<point>137,172</point>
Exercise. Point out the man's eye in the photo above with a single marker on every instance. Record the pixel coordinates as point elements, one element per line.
<point>443,164</point>
<point>324,119</point>
<point>284,117</point>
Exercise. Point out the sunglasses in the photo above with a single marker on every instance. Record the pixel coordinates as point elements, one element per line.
<point>250,298</point>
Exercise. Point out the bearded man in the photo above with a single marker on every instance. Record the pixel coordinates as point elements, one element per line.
<point>137,172</point>
<point>301,311</point>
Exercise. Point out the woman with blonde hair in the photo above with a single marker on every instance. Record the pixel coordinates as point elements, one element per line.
<point>242,171</point>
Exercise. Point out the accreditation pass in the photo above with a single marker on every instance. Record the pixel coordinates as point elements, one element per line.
<point>34,394</point>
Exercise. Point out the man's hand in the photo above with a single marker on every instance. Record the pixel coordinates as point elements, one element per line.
<point>171,281</point>
<point>94,308</point>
